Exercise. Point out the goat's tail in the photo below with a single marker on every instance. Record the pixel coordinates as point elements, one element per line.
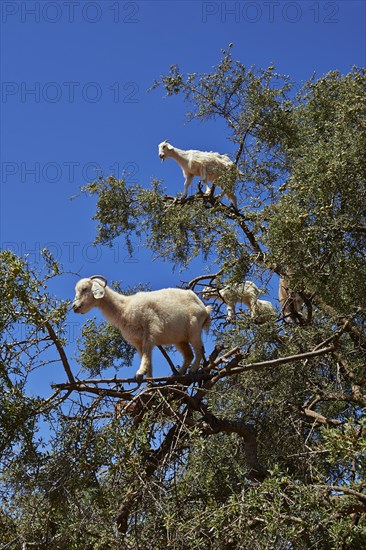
<point>207,323</point>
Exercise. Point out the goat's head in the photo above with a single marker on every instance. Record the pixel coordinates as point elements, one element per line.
<point>87,291</point>
<point>164,148</point>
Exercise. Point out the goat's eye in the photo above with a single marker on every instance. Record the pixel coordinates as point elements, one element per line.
<point>85,289</point>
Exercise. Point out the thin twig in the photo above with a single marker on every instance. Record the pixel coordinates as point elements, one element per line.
<point>170,362</point>
<point>60,350</point>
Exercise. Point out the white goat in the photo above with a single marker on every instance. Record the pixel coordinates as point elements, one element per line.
<point>291,302</point>
<point>245,293</point>
<point>262,311</point>
<point>208,166</point>
<point>148,319</point>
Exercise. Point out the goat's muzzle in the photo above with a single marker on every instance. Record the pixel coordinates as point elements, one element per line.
<point>76,307</point>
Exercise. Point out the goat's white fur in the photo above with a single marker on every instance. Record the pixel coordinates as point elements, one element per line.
<point>291,302</point>
<point>209,166</point>
<point>146,319</point>
<point>245,293</point>
<point>262,311</point>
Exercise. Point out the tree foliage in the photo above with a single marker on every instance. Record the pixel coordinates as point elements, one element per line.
<point>265,446</point>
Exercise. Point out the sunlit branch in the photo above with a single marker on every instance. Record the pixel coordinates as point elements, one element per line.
<point>231,369</point>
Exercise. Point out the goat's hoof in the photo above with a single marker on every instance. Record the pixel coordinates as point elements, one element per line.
<point>139,377</point>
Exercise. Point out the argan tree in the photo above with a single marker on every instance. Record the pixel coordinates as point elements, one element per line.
<point>265,446</point>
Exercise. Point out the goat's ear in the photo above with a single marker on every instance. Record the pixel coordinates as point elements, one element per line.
<point>97,290</point>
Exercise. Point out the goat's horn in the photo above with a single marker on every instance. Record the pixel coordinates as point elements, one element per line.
<point>100,277</point>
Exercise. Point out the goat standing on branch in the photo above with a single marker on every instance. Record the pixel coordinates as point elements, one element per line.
<point>148,319</point>
<point>208,166</point>
<point>246,293</point>
<point>262,311</point>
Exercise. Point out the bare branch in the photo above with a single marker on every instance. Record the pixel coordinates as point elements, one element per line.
<point>322,419</point>
<point>211,276</point>
<point>344,490</point>
<point>230,369</point>
<point>60,350</point>
<point>213,424</point>
<point>170,362</point>
<point>80,386</point>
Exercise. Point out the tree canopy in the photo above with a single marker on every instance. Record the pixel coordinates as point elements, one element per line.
<point>265,446</point>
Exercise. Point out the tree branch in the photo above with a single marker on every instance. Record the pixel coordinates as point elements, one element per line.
<point>345,490</point>
<point>81,386</point>
<point>170,362</point>
<point>322,419</point>
<point>153,458</point>
<point>230,369</point>
<point>193,282</point>
<point>213,425</point>
<point>60,350</point>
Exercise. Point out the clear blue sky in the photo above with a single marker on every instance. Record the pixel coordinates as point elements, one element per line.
<point>74,81</point>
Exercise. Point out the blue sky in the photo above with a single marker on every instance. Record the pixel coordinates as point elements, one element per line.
<point>74,81</point>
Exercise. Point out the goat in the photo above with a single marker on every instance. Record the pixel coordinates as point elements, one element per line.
<point>291,302</point>
<point>208,166</point>
<point>262,311</point>
<point>245,293</point>
<point>148,319</point>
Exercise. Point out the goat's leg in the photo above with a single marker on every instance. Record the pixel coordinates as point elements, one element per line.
<point>230,308</point>
<point>187,183</point>
<point>197,345</point>
<point>208,188</point>
<point>204,180</point>
<point>146,362</point>
<point>186,351</point>
<point>231,197</point>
